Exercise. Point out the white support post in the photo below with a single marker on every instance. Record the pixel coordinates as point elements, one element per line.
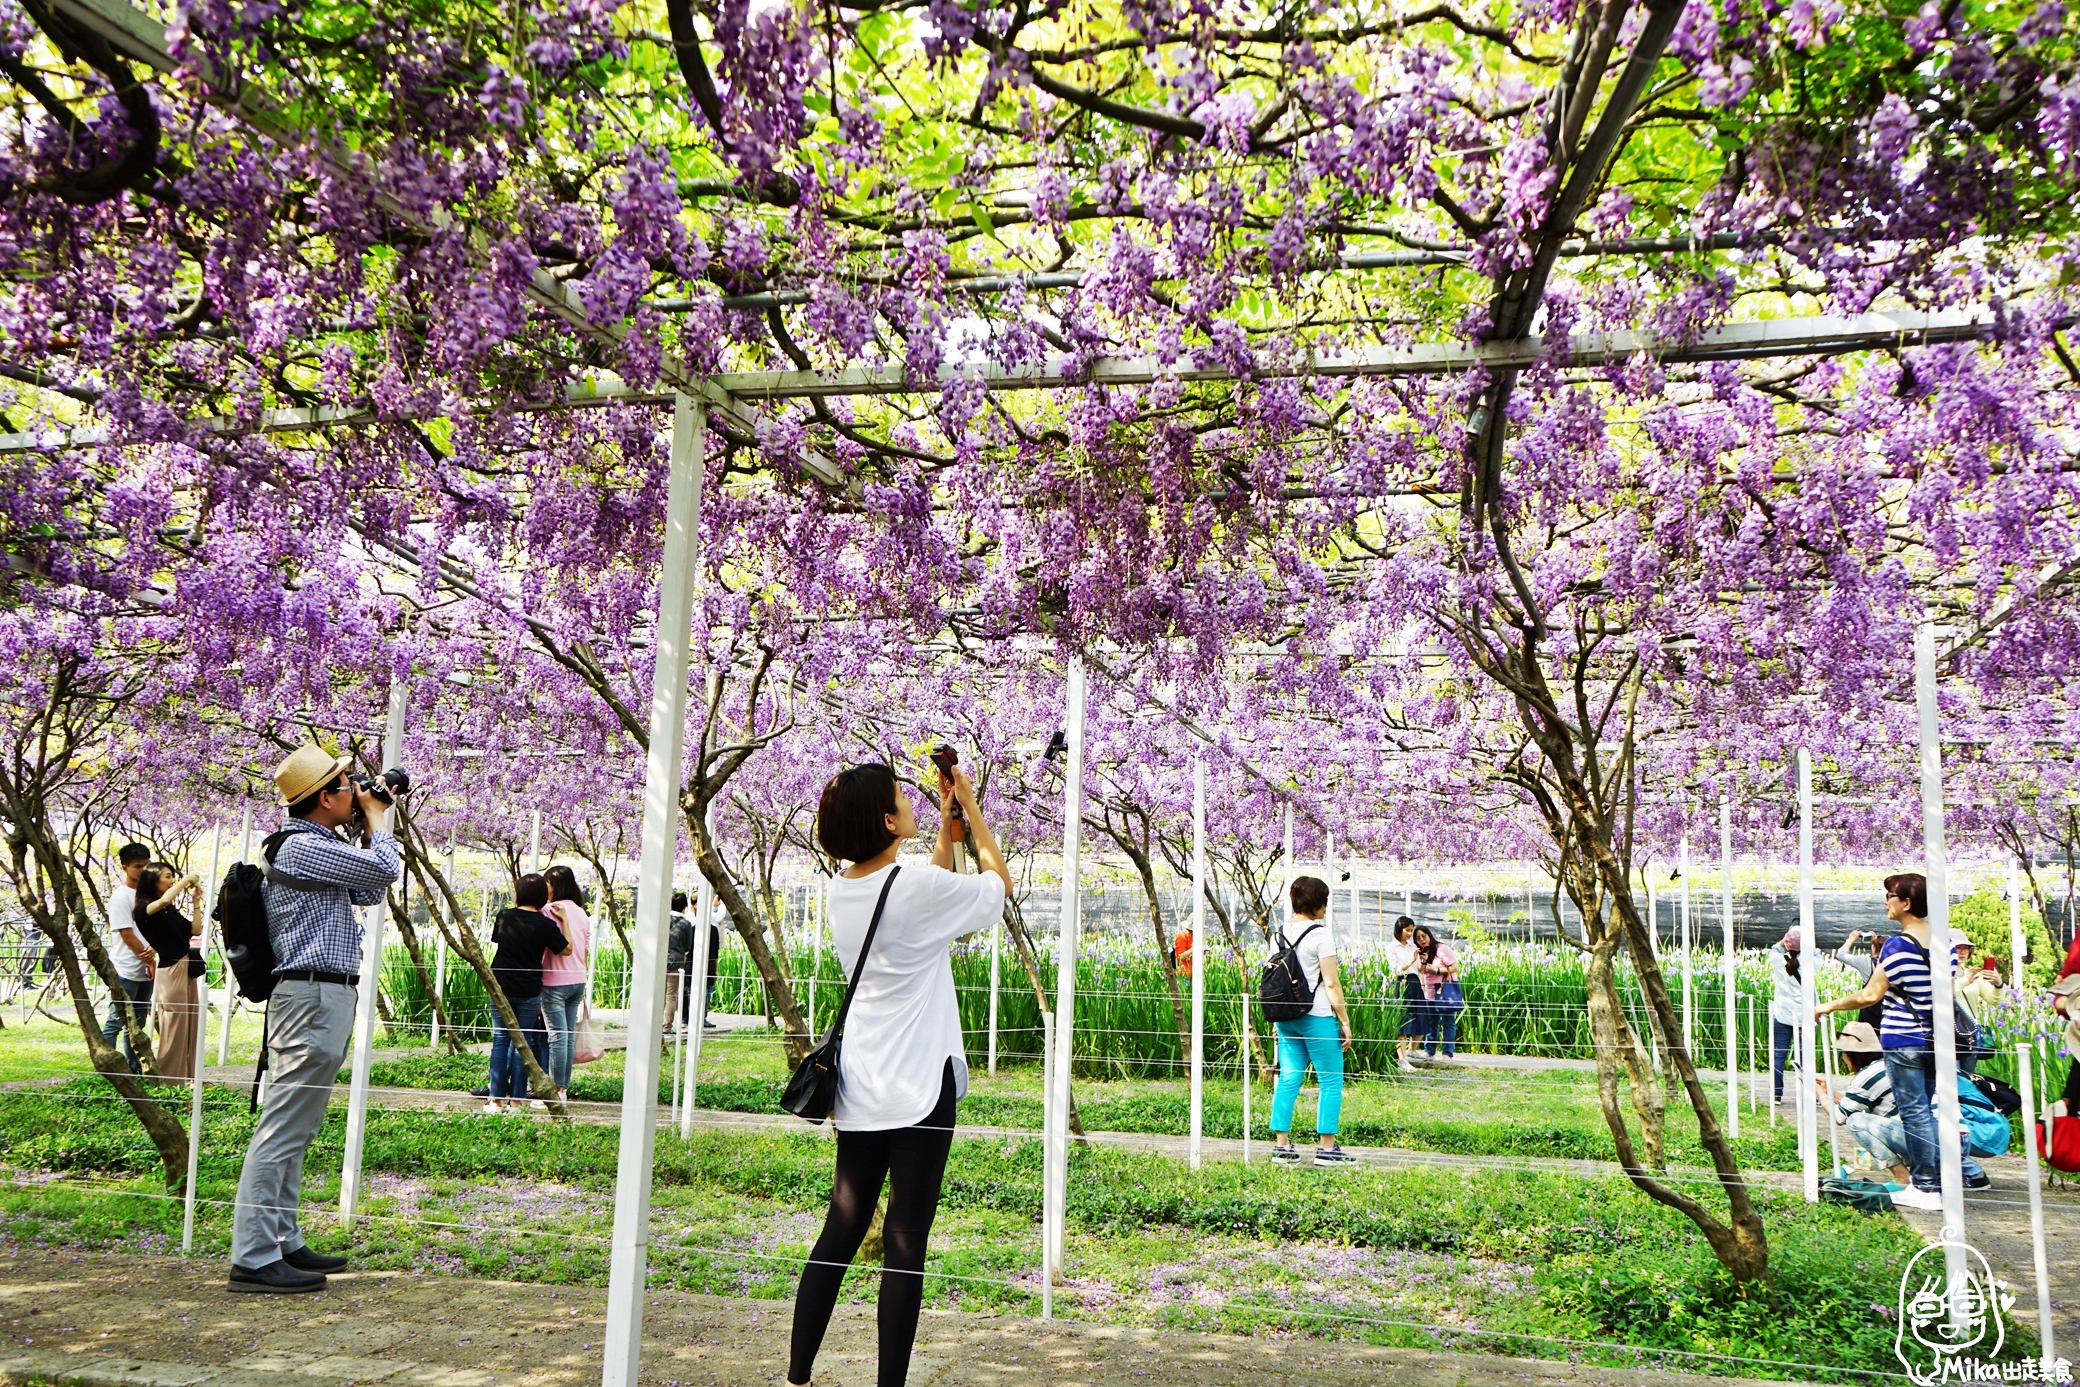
<point>679,1045</point>
<point>534,840</point>
<point>245,852</point>
<point>216,845</point>
<point>697,1009</point>
<point>2026,1082</point>
<point>996,979</point>
<point>1942,962</point>
<point>1247,1057</point>
<point>1689,986</point>
<point>1809,967</point>
<point>1065,967</point>
<point>1285,894</point>
<point>628,1257</point>
<point>440,952</point>
<point>1408,896</point>
<point>1198,957</point>
<point>1653,910</point>
<point>1733,1059</point>
<point>371,980</point>
<point>2017,945</point>
<point>1047,1271</point>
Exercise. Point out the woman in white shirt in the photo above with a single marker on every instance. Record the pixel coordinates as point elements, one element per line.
<point>903,1066</point>
<point>1318,1038</point>
<point>1404,984</point>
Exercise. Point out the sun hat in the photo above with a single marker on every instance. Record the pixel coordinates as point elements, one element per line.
<point>1858,1037</point>
<point>309,767</point>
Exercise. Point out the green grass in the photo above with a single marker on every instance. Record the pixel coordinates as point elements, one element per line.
<point>1374,1255</point>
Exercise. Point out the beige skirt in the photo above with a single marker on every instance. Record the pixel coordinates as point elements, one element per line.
<point>175,1011</point>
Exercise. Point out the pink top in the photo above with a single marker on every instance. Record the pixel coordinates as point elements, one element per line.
<point>560,970</point>
<point>1433,973</point>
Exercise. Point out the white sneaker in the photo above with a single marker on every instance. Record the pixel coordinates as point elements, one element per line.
<point>538,1105</point>
<point>1406,1067</point>
<point>493,1108</point>
<point>563,1095</point>
<point>1910,1198</point>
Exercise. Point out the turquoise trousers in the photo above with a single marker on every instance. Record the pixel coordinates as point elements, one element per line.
<point>1316,1040</point>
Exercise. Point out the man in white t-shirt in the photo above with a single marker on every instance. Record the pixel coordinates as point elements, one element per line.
<point>127,950</point>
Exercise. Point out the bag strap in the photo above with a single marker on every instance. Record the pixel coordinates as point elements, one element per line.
<point>272,844</point>
<point>838,1026</point>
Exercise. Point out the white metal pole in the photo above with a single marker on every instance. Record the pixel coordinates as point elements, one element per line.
<point>2017,945</point>
<point>1689,987</point>
<point>534,840</point>
<point>1065,957</point>
<point>1408,896</point>
<point>1328,857</point>
<point>2036,1201</point>
<point>996,977</point>
<point>1198,957</point>
<point>1733,1059</point>
<point>1285,895</point>
<point>216,844</point>
<point>697,1013</point>
<point>1809,967</point>
<point>1653,910</point>
<point>245,852</point>
<point>629,1255</point>
<point>679,1044</point>
<point>1247,1057</point>
<point>1942,961</point>
<point>1047,1267</point>
<point>371,981</point>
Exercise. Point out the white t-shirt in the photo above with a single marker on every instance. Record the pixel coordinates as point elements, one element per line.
<point>1312,949</point>
<point>122,904</point>
<point>905,1021</point>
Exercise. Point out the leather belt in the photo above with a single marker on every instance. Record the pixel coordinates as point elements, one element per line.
<point>316,975</point>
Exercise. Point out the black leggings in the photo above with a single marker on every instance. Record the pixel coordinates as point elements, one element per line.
<point>913,1160</point>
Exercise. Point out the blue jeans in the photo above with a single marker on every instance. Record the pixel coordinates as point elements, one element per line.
<point>1912,1070</point>
<point>1443,1024</point>
<point>508,1068</point>
<point>115,1032</point>
<point>1782,1041</point>
<point>561,1007</point>
<point>1316,1040</point>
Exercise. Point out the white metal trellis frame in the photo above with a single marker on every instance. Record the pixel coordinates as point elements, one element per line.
<point>209,919</point>
<point>696,1010</point>
<point>1198,957</point>
<point>1808,1090</point>
<point>1055,1194</point>
<point>1689,986</point>
<point>245,852</point>
<point>1935,868</point>
<point>371,982</point>
<point>1733,1058</point>
<point>628,1257</point>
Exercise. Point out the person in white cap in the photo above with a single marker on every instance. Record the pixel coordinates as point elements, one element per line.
<point>315,879</point>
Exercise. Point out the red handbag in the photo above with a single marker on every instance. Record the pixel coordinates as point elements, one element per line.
<point>2060,1145</point>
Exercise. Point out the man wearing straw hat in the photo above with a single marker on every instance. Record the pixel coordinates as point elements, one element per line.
<point>315,879</point>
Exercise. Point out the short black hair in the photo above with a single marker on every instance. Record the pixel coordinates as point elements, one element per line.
<point>1310,895</point>
<point>563,884</point>
<point>852,817</point>
<point>308,805</point>
<point>1912,887</point>
<point>531,890</point>
<point>678,900</point>
<point>1401,924</point>
<point>133,853</point>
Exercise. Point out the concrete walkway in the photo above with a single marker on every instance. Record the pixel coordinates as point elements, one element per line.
<point>124,1321</point>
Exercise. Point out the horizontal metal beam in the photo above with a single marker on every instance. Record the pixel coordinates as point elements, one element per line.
<point>1820,336</point>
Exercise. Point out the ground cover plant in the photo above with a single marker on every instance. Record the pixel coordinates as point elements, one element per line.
<point>1503,1261</point>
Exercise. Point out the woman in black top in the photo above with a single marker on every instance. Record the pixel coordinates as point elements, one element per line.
<point>523,933</point>
<point>176,1000</point>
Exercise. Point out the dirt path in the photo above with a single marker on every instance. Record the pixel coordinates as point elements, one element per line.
<point>123,1321</point>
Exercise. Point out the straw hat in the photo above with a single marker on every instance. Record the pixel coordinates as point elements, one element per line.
<point>309,767</point>
<point>1858,1037</point>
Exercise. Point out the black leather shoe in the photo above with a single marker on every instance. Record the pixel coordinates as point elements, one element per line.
<point>303,1259</point>
<point>276,1278</point>
<point>1983,1182</point>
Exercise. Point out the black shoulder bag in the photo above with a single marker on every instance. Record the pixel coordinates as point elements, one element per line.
<point>813,1091</point>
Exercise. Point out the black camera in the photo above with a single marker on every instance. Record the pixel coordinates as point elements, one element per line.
<point>387,788</point>
<point>946,758</point>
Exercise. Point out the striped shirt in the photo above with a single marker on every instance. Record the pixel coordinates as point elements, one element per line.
<point>318,929</point>
<point>1870,1091</point>
<point>1907,1004</point>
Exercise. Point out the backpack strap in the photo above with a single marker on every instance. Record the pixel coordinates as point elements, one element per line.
<point>1295,943</point>
<point>272,844</point>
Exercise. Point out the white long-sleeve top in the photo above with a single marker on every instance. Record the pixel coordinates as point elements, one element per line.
<point>905,1022</point>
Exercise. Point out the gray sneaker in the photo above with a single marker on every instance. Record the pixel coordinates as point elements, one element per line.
<point>1333,1155</point>
<point>1287,1154</point>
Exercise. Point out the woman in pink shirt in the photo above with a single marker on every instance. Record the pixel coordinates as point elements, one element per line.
<point>563,975</point>
<point>1438,967</point>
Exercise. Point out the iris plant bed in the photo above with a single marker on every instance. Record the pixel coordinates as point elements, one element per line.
<point>1502,1261</point>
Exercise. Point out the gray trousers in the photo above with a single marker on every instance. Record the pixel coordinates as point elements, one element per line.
<point>309,1025</point>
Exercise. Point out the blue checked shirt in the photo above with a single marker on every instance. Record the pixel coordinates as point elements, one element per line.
<point>318,929</point>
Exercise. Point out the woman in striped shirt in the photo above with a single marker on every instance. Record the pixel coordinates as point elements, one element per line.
<point>1902,982</point>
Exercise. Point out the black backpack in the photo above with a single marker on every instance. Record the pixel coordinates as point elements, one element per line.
<point>241,916</point>
<point>1284,993</point>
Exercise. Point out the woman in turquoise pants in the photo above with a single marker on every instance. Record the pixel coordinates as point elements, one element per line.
<point>1319,1038</point>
